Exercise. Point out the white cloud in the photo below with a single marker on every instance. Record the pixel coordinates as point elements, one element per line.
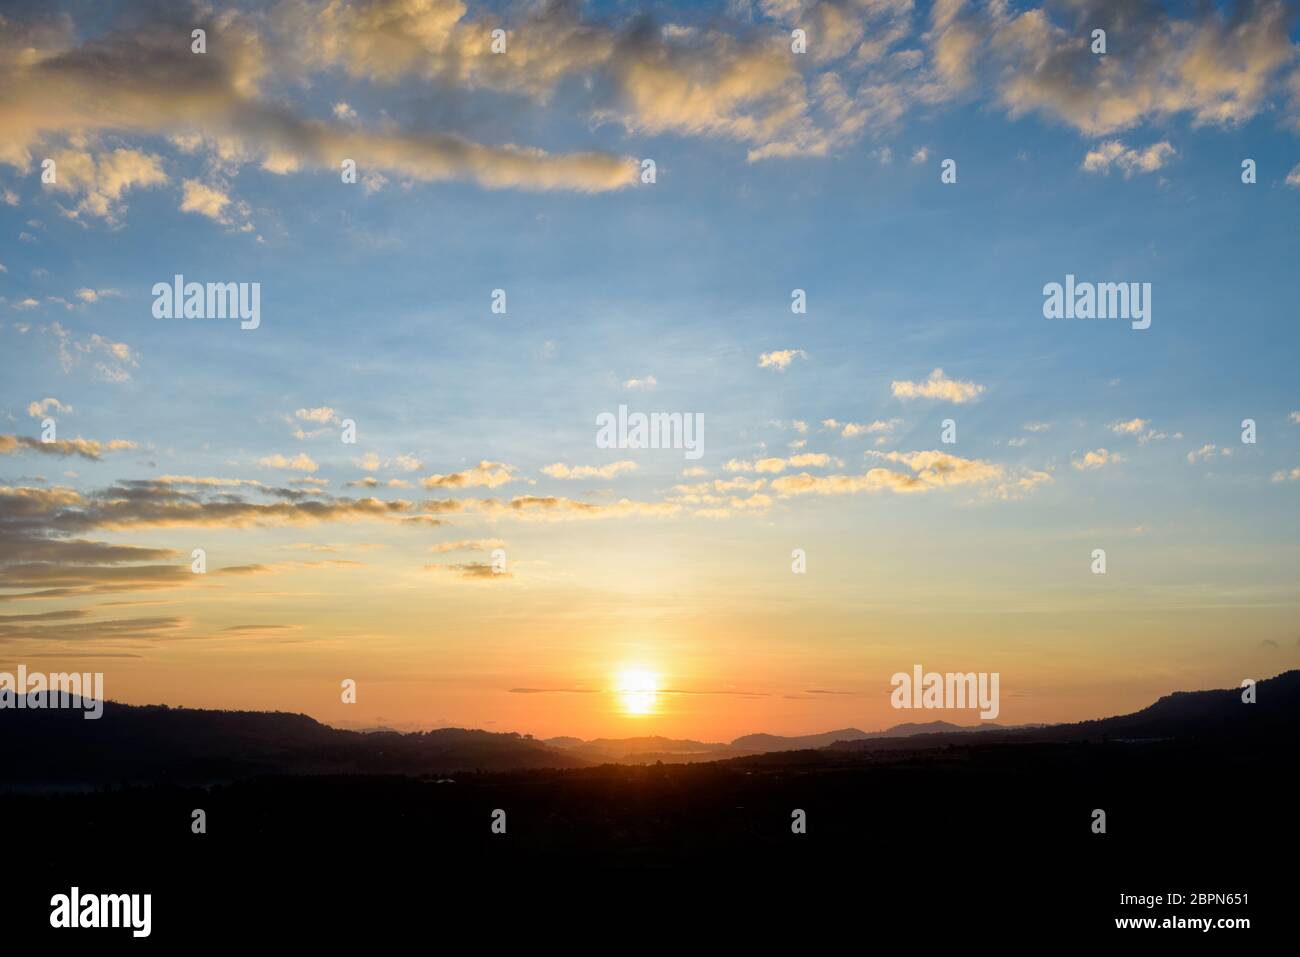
<point>937,386</point>
<point>215,204</point>
<point>1207,451</point>
<point>486,474</point>
<point>1097,459</point>
<point>102,180</point>
<point>45,406</point>
<point>562,471</point>
<point>299,463</point>
<point>112,360</point>
<point>1129,161</point>
<point>854,429</point>
<point>95,295</point>
<point>781,359</point>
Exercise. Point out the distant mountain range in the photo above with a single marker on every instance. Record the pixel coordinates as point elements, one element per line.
<point>148,744</point>
<point>647,750</point>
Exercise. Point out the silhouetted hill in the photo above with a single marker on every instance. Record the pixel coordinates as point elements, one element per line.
<point>643,750</point>
<point>648,750</point>
<point>1183,715</point>
<point>191,746</point>
<point>185,746</point>
<point>766,743</point>
<point>762,743</point>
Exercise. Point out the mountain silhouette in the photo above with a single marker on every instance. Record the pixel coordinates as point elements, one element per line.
<point>192,746</point>
<point>186,746</point>
<point>1183,715</point>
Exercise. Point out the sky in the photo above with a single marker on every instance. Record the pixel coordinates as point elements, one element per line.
<point>644,592</point>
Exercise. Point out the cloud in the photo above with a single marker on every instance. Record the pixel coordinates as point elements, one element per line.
<point>854,429</point>
<point>1129,161</point>
<point>299,463</point>
<point>100,181</point>
<point>1207,451</point>
<point>1215,64</point>
<point>1097,459</point>
<point>45,406</point>
<point>1282,475</point>
<point>100,630</point>
<point>549,508</point>
<point>925,471</point>
<point>94,295</point>
<point>140,78</point>
<point>728,76</point>
<point>486,474</point>
<point>937,386</point>
<point>921,155</point>
<point>214,203</point>
<point>804,460</point>
<point>648,382</point>
<point>111,360</point>
<point>204,481</point>
<point>473,571</point>
<point>323,415</point>
<point>1293,177</point>
<point>43,553</point>
<point>561,471</point>
<point>781,359</point>
<point>1138,427</point>
<point>1021,485</point>
<point>468,545</point>
<point>86,448</point>
<point>1129,427</point>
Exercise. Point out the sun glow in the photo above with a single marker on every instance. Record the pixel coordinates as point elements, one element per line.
<point>638,690</point>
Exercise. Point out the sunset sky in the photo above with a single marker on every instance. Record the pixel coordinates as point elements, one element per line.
<point>775,171</point>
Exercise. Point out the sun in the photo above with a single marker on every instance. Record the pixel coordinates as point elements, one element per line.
<point>638,690</point>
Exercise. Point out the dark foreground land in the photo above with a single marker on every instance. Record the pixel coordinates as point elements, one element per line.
<point>999,835</point>
<point>986,838</point>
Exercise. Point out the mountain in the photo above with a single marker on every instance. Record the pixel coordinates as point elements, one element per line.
<point>764,743</point>
<point>1183,715</point>
<point>192,746</point>
<point>643,750</point>
<point>647,750</point>
<point>767,743</point>
<point>185,746</point>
